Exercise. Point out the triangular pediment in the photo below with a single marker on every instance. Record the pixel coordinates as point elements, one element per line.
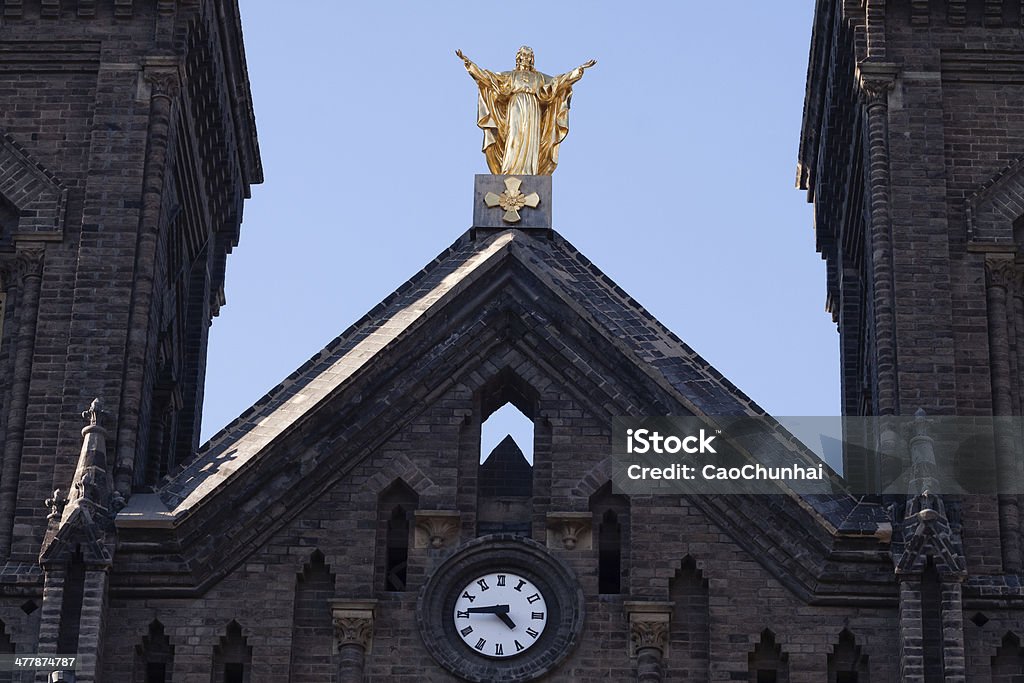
<point>510,301</point>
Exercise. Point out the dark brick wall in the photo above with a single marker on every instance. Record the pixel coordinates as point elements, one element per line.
<point>742,597</point>
<point>77,78</point>
<point>952,127</point>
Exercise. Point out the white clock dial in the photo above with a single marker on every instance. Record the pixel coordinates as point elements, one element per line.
<point>500,614</point>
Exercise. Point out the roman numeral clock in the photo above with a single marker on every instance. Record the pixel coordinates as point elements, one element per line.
<point>501,608</point>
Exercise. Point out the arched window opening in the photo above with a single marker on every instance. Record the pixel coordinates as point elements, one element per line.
<point>768,663</point>
<point>396,506</point>
<point>846,664</point>
<point>611,522</point>
<point>505,423</point>
<point>691,623</point>
<point>232,657</point>
<point>154,656</point>
<point>506,461</point>
<point>1008,662</point>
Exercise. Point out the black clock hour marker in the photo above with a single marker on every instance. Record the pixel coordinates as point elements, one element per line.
<point>466,631</point>
<point>483,584</point>
<point>532,633</point>
<point>533,598</point>
<point>520,586</point>
<point>480,644</point>
<point>501,579</point>
<point>536,615</point>
<point>469,597</point>
<point>498,650</point>
<point>461,615</point>
<point>519,647</point>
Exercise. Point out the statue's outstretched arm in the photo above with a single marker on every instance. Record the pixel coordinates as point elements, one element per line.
<point>482,76</point>
<point>563,81</point>
<point>577,73</point>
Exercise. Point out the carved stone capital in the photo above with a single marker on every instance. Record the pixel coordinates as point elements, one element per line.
<point>876,81</point>
<point>163,83</point>
<point>570,530</point>
<point>1002,272</point>
<point>29,262</point>
<point>436,528</point>
<point>353,622</point>
<point>353,630</point>
<point>648,626</point>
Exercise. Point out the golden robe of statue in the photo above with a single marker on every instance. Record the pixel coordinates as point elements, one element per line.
<point>524,115</point>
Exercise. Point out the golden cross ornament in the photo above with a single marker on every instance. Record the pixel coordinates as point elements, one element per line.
<point>512,200</point>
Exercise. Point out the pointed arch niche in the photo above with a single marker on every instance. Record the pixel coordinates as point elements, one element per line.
<point>768,663</point>
<point>690,625</point>
<point>846,664</point>
<point>611,539</point>
<point>395,507</point>
<point>312,625</point>
<point>232,657</point>
<point>154,656</point>
<point>506,471</point>
<point>1008,662</point>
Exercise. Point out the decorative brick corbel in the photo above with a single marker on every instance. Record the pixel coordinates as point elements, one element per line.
<point>570,530</point>
<point>436,528</point>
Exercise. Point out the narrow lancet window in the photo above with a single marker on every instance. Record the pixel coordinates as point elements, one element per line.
<point>395,510</point>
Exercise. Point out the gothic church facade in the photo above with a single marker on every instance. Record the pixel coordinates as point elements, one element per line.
<point>344,528</point>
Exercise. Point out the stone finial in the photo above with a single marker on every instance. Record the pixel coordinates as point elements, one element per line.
<point>94,414</point>
<point>92,488</point>
<point>56,503</point>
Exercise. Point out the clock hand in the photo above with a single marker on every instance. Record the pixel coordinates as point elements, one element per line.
<point>491,609</point>
<point>506,619</point>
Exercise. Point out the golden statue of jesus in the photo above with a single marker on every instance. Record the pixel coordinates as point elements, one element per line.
<point>524,114</point>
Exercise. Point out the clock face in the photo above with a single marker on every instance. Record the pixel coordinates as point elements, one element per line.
<point>500,614</point>
<point>500,609</point>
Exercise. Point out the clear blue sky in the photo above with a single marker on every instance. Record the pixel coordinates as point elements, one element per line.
<point>677,178</point>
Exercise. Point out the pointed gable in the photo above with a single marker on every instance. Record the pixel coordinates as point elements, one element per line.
<point>491,304</point>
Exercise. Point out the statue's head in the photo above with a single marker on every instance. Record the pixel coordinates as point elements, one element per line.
<point>524,58</point>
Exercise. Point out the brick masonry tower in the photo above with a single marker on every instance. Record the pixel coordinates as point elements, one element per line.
<point>911,151</point>
<point>127,147</point>
<point>125,162</point>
